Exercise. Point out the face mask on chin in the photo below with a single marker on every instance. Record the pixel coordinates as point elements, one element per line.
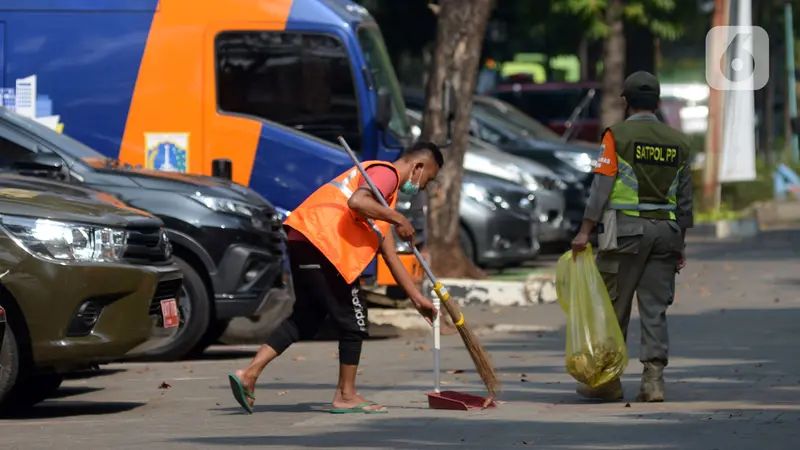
<point>410,188</point>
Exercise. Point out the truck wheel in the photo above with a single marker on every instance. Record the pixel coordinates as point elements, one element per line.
<point>195,309</point>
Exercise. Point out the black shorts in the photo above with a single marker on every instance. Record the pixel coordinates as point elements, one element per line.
<point>321,292</point>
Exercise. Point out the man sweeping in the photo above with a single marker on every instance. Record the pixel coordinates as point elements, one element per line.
<point>332,237</point>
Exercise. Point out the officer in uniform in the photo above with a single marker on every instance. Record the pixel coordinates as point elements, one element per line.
<point>641,202</point>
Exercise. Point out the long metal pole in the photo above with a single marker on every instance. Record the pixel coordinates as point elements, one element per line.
<point>790,77</point>
<point>711,187</point>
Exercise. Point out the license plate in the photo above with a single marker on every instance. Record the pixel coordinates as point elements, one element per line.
<point>169,309</point>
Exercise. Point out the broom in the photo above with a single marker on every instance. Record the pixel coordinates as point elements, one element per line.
<point>480,357</point>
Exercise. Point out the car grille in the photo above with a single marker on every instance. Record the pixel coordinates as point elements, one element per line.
<point>271,223</point>
<point>165,290</point>
<point>147,245</point>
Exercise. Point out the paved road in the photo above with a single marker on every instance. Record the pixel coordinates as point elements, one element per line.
<point>733,383</point>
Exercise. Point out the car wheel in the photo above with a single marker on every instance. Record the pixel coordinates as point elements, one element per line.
<point>35,389</point>
<point>194,306</point>
<point>9,368</point>
<point>466,245</point>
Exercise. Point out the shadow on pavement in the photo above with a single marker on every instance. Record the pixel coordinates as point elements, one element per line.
<point>71,391</point>
<point>84,374</point>
<point>64,409</point>
<point>749,357</point>
<point>645,431</point>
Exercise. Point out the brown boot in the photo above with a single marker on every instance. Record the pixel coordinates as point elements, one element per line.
<point>608,392</point>
<point>652,388</point>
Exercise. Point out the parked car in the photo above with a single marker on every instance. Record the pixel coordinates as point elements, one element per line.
<point>498,223</point>
<point>572,162</point>
<point>553,104</point>
<point>549,190</point>
<point>75,288</point>
<point>227,239</point>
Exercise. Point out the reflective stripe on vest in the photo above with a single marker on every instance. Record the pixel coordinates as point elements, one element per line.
<point>625,195</point>
<point>342,186</point>
<point>344,238</point>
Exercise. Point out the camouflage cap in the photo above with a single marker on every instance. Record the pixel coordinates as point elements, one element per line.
<point>641,83</point>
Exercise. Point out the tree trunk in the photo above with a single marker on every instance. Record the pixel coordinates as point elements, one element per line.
<point>459,37</point>
<point>583,57</point>
<point>612,110</point>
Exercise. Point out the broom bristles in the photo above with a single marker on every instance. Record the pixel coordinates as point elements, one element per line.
<point>480,357</point>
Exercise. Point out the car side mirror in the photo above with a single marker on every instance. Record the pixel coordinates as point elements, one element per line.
<point>384,113</point>
<point>222,168</point>
<point>45,163</point>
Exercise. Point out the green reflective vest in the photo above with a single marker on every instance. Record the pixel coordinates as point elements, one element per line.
<point>650,158</point>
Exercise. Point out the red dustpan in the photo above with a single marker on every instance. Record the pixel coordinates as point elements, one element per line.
<point>452,400</point>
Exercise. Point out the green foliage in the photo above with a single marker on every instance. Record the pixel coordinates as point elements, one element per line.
<point>725,213</point>
<point>658,15</point>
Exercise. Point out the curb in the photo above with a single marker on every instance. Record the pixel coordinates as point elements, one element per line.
<point>535,290</point>
<point>410,320</point>
<point>727,229</point>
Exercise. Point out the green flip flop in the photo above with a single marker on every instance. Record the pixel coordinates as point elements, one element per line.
<point>360,409</point>
<point>240,393</point>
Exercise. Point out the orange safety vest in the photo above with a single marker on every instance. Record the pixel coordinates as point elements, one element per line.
<point>345,238</point>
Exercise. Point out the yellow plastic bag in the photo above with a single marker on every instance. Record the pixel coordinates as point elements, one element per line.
<point>596,351</point>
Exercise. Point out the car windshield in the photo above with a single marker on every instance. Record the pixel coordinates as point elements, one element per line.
<point>502,110</point>
<point>75,148</point>
<point>383,76</point>
<point>500,123</point>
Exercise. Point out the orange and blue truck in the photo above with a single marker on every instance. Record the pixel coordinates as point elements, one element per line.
<point>178,85</point>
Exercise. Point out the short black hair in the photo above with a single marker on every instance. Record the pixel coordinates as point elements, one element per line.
<point>642,102</point>
<point>427,147</point>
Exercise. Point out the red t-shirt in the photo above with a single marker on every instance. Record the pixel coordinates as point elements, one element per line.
<point>384,179</point>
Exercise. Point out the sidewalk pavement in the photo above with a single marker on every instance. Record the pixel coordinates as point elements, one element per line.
<point>733,382</point>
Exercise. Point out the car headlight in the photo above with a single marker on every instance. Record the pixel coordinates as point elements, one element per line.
<point>579,161</point>
<point>282,213</point>
<point>481,195</point>
<point>62,241</point>
<point>531,183</point>
<point>403,206</point>
<point>226,205</point>
<point>401,246</point>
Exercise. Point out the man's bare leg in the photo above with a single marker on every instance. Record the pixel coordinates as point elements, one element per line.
<point>346,395</point>
<point>249,375</point>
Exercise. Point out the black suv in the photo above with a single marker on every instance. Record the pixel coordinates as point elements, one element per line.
<point>226,238</point>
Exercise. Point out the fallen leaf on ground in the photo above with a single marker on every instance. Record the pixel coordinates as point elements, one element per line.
<point>403,356</point>
<point>283,392</point>
<point>423,348</point>
<point>455,371</point>
<point>299,358</point>
<point>164,385</point>
<point>443,382</point>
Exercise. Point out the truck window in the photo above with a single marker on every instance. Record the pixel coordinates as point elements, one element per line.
<point>383,76</point>
<point>299,80</point>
